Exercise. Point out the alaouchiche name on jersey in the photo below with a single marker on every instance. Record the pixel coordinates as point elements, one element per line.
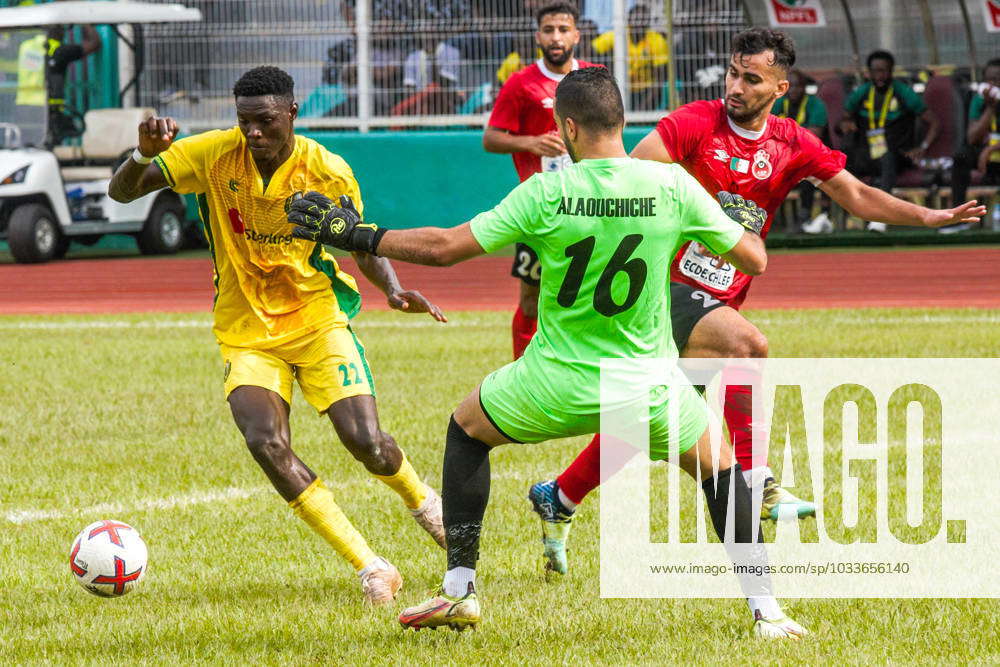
<point>610,207</point>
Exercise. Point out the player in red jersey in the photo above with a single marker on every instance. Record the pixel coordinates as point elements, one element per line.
<point>738,146</point>
<point>522,124</point>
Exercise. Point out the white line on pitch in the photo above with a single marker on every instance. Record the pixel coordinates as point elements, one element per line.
<point>173,502</point>
<point>170,502</point>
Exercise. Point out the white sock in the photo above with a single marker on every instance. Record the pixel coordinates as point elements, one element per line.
<point>567,503</point>
<point>378,564</point>
<point>457,580</point>
<point>757,476</point>
<point>768,606</point>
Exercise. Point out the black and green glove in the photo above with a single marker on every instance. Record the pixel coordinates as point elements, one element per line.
<point>317,218</point>
<point>744,211</point>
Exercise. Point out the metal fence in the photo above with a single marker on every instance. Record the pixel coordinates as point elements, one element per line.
<point>703,30</point>
<point>397,63</point>
<point>423,63</point>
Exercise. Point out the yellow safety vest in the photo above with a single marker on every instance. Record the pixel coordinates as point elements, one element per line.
<point>31,57</point>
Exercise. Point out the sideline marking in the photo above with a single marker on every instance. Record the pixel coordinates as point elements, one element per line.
<point>170,502</point>
<point>19,517</point>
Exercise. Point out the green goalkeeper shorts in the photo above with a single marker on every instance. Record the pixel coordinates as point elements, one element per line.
<point>510,405</point>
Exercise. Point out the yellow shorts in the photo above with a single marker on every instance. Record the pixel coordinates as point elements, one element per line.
<point>329,365</point>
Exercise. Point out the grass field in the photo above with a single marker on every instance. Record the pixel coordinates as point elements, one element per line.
<point>122,417</point>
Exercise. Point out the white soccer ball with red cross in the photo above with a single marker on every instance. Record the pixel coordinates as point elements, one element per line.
<point>108,558</point>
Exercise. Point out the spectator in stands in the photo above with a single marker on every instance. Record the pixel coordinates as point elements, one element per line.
<point>390,21</point>
<point>523,52</point>
<point>341,70</point>
<point>430,76</point>
<point>648,57</point>
<point>434,61</point>
<point>809,111</point>
<point>881,116</point>
<point>333,97</point>
<point>983,149</point>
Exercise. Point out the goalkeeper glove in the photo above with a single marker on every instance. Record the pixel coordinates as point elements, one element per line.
<point>744,211</point>
<point>317,218</point>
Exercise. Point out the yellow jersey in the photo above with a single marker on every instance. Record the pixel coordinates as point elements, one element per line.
<point>513,63</point>
<point>270,288</point>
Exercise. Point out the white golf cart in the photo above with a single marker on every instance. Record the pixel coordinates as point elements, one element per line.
<point>50,196</point>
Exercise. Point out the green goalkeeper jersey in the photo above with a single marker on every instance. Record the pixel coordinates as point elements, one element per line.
<point>605,232</point>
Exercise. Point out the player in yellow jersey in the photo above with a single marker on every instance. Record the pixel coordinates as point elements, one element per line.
<point>283,305</point>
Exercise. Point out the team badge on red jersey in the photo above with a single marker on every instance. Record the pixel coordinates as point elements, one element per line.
<point>761,165</point>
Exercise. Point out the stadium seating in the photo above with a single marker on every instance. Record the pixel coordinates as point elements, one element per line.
<point>833,92</point>
<point>921,184</point>
<point>928,184</point>
<point>932,186</point>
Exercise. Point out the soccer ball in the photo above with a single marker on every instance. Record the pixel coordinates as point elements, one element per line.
<point>108,558</point>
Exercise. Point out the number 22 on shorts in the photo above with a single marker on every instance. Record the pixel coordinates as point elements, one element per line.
<point>349,374</point>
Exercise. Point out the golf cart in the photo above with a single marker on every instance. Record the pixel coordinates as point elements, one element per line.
<point>53,194</point>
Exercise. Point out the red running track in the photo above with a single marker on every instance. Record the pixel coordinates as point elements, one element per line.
<point>953,278</point>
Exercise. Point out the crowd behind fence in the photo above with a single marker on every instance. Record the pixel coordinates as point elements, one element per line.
<point>369,64</point>
<point>396,63</point>
<point>411,64</point>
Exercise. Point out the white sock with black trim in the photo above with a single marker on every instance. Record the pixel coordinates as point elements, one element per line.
<point>457,580</point>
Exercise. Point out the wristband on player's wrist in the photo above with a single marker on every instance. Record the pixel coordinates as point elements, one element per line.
<point>375,239</point>
<point>139,158</point>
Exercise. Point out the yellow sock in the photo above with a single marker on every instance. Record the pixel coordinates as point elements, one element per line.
<point>316,507</point>
<point>406,483</point>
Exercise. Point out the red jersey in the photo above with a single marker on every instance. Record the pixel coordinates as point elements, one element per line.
<point>722,156</point>
<point>524,107</point>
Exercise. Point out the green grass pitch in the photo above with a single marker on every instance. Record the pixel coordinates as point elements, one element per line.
<point>123,417</point>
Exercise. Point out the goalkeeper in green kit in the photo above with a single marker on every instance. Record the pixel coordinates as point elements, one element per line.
<point>605,230</point>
